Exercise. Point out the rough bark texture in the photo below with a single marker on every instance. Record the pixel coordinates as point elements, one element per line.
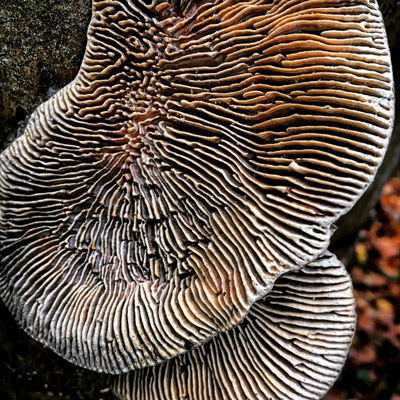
<point>41,47</point>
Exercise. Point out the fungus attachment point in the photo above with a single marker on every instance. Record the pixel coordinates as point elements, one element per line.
<point>204,149</point>
<point>292,345</point>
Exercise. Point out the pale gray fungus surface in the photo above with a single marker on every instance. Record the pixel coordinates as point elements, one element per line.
<point>204,149</point>
<point>292,346</point>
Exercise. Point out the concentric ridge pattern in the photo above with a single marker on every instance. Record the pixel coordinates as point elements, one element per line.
<point>291,346</point>
<point>205,148</point>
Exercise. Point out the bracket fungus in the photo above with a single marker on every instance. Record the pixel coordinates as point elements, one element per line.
<point>204,149</point>
<point>292,345</point>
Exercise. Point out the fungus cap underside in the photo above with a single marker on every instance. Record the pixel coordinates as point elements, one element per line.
<point>204,149</point>
<point>291,346</point>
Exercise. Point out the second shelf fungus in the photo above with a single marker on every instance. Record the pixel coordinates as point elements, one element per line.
<point>204,149</point>
<point>291,346</point>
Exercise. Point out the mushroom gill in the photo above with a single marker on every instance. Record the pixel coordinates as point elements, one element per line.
<point>204,149</point>
<point>291,346</point>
